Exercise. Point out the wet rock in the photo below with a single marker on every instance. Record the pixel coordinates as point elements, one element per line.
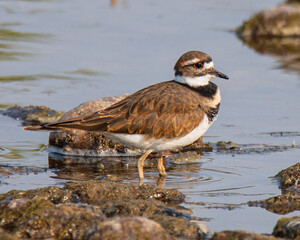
<point>93,192</point>
<point>32,115</point>
<point>53,194</point>
<point>6,171</point>
<point>14,212</point>
<point>281,21</point>
<point>234,148</point>
<point>289,177</point>
<point>241,235</point>
<point>222,145</point>
<point>282,204</point>
<point>87,210</point>
<point>62,222</point>
<point>288,228</point>
<point>290,200</point>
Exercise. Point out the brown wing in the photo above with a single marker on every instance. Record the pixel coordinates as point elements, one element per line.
<point>165,109</point>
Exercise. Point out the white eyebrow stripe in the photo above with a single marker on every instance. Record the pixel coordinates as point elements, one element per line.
<point>192,61</point>
<point>208,65</point>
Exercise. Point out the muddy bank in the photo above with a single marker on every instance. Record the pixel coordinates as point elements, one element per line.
<point>91,209</point>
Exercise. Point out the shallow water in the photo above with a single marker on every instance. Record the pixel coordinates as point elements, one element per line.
<point>62,53</point>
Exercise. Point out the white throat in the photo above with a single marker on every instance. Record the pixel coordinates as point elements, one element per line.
<point>194,81</point>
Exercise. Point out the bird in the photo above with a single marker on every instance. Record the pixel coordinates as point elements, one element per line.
<point>161,117</point>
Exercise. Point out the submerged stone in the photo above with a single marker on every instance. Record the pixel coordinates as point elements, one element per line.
<point>32,115</point>
<point>281,204</point>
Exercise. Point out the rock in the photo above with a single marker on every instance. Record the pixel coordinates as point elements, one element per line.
<point>241,235</point>
<point>93,192</point>
<point>288,228</point>
<point>289,177</point>
<point>222,145</point>
<point>74,221</point>
<point>15,212</point>
<point>32,115</point>
<point>87,210</point>
<point>130,228</point>
<point>281,204</point>
<point>281,21</point>
<point>53,194</point>
<point>289,201</point>
<point>273,32</point>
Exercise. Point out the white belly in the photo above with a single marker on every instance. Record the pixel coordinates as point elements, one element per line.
<point>138,140</point>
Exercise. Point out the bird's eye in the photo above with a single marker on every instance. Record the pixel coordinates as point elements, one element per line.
<point>198,65</point>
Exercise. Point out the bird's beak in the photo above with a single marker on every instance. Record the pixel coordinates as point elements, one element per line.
<point>216,73</point>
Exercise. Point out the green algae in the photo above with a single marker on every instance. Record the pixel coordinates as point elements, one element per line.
<point>32,114</point>
<point>11,35</point>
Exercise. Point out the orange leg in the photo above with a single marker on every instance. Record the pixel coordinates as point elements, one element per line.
<point>161,167</point>
<point>141,165</point>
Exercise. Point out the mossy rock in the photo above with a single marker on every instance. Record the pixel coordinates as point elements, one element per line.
<point>281,21</point>
<point>32,115</point>
<point>241,235</point>
<point>289,176</point>
<point>288,228</point>
<point>281,204</point>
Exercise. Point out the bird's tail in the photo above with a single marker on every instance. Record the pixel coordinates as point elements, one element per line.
<point>43,127</point>
<point>35,128</point>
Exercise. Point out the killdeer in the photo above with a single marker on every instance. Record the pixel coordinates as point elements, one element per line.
<point>160,117</point>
